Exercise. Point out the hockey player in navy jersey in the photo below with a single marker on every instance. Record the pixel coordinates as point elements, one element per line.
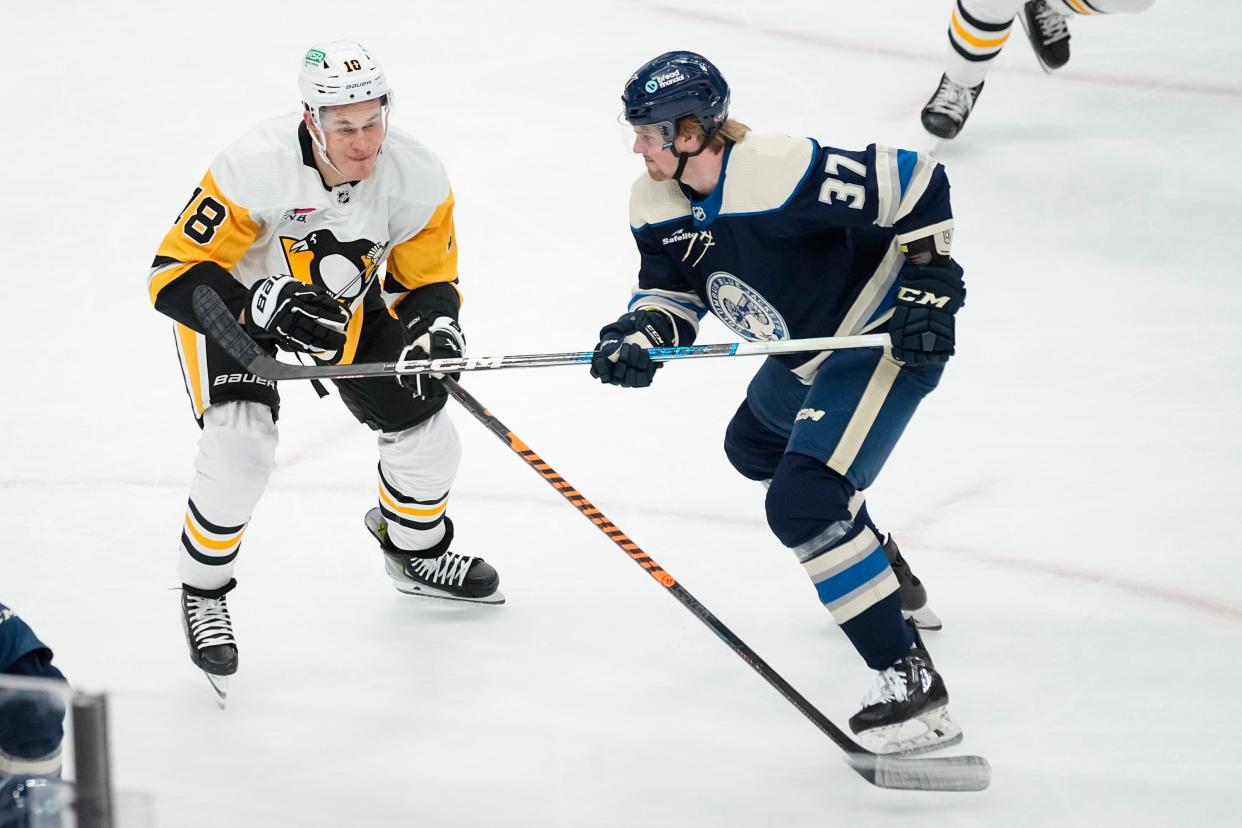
<point>784,238</point>
<point>30,721</point>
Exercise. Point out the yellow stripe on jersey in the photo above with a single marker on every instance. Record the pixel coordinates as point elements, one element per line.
<point>426,258</point>
<point>188,340</point>
<point>212,228</point>
<point>353,332</point>
<point>1079,7</point>
<point>973,40</point>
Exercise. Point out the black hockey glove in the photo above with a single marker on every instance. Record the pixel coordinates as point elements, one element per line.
<point>621,356</point>
<point>298,316</point>
<point>922,327</point>
<point>430,337</point>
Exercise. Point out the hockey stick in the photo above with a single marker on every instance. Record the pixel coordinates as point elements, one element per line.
<point>951,773</point>
<point>223,327</point>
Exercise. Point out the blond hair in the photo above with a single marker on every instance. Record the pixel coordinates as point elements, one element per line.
<point>731,130</point>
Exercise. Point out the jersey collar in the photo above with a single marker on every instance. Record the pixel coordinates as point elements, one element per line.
<point>704,210</point>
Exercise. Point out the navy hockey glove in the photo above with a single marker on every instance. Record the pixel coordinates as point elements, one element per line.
<point>621,356</point>
<point>922,326</point>
<point>430,337</point>
<point>298,316</point>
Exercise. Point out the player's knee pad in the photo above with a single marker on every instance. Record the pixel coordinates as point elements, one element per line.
<point>754,449</point>
<point>236,456</point>
<point>806,498</point>
<point>429,453</point>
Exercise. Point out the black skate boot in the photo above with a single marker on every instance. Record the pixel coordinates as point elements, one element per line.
<point>910,691</point>
<point>949,107</point>
<point>209,634</point>
<point>1048,32</point>
<point>913,593</point>
<point>436,572</point>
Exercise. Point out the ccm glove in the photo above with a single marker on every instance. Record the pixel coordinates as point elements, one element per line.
<point>430,337</point>
<point>300,317</point>
<point>922,327</point>
<point>621,356</point>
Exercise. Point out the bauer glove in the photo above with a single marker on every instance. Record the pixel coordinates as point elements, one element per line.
<point>922,327</point>
<point>298,316</point>
<point>430,337</point>
<point>621,356</point>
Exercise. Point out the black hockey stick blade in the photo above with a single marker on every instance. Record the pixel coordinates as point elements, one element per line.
<point>221,326</point>
<point>933,773</point>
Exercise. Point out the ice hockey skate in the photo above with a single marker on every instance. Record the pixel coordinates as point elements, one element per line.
<point>1048,31</point>
<point>209,634</point>
<point>448,575</point>
<point>946,112</point>
<point>906,711</point>
<point>913,593</point>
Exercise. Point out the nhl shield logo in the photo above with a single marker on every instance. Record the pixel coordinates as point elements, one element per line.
<point>743,309</point>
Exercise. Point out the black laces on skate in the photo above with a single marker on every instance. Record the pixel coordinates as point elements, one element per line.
<point>209,621</point>
<point>1052,25</point>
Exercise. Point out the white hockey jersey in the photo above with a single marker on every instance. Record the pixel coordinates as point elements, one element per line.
<point>263,208</point>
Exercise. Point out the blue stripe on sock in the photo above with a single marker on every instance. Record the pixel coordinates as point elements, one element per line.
<point>843,583</point>
<point>905,167</point>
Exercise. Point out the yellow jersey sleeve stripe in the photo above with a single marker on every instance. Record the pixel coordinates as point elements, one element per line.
<point>430,256</point>
<point>212,228</point>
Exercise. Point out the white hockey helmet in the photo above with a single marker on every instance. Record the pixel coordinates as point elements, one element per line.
<point>340,72</point>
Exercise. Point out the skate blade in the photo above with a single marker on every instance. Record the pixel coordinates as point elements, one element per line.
<point>939,731</point>
<point>221,685</point>
<point>924,618</point>
<point>407,587</point>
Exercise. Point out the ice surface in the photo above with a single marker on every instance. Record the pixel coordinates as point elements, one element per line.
<point>1070,493</point>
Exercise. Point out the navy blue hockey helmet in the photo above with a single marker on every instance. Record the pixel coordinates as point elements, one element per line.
<point>672,86</point>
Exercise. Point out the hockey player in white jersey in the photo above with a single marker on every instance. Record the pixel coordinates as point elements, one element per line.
<point>293,226</point>
<point>978,30</point>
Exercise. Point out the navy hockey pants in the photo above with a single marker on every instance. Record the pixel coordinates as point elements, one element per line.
<point>821,446</point>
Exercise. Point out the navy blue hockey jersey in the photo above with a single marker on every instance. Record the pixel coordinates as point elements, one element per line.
<point>796,240</point>
<point>16,639</point>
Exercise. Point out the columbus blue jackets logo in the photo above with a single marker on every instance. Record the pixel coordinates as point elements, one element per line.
<point>344,267</point>
<point>740,307</point>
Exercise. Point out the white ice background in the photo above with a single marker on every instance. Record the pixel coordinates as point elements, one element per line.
<point>1069,494</point>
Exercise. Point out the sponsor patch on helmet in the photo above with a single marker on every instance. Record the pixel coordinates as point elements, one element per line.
<point>664,79</point>
<point>315,56</point>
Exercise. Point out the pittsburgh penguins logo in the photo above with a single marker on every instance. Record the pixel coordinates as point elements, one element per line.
<point>344,267</point>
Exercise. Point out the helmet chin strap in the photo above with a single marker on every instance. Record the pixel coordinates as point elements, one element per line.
<point>322,145</point>
<point>683,157</point>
